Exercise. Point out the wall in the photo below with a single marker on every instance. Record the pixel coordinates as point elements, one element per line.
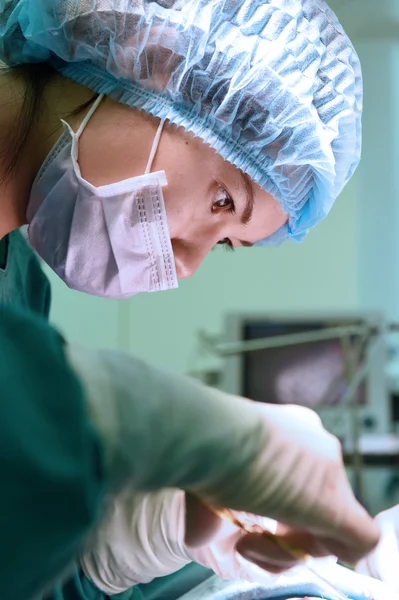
<point>317,274</point>
<point>373,28</point>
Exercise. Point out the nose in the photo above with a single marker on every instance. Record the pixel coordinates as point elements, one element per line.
<point>188,257</point>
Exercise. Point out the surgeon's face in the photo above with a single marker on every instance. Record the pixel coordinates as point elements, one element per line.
<point>208,201</point>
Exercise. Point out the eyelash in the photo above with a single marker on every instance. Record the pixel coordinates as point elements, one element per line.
<point>227,245</point>
<point>232,208</point>
<point>226,242</point>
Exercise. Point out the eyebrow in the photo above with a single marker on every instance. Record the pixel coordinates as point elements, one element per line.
<point>250,200</point>
<point>249,204</point>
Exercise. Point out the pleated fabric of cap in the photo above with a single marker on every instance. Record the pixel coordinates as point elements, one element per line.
<point>273,86</point>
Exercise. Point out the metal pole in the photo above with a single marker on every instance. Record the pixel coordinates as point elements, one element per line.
<point>229,349</point>
<point>352,354</point>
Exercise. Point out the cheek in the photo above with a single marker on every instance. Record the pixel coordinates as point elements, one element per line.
<point>188,193</point>
<point>185,202</point>
<point>115,144</point>
<point>106,158</point>
<point>180,209</point>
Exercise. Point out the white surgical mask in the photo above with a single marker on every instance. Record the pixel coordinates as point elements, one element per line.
<point>110,241</point>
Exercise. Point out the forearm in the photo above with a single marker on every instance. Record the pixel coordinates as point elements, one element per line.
<point>161,429</point>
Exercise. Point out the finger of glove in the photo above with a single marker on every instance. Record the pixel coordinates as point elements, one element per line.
<point>201,524</point>
<point>354,534</point>
<point>382,562</point>
<point>265,553</point>
<point>335,519</point>
<point>257,547</point>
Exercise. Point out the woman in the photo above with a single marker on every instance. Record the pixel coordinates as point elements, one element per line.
<point>134,137</point>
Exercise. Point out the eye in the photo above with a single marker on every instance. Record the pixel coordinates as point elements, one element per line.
<point>226,242</point>
<point>223,202</point>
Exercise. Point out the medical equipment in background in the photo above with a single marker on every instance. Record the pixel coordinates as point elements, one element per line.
<point>335,364</point>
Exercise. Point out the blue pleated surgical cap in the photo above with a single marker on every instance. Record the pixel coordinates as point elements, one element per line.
<point>274,86</point>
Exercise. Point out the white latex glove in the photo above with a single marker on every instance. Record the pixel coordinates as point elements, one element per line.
<point>162,430</point>
<point>383,562</point>
<point>142,538</point>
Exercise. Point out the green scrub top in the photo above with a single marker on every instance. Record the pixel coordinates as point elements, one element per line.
<point>50,458</point>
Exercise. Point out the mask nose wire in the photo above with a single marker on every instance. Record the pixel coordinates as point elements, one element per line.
<point>154,148</point>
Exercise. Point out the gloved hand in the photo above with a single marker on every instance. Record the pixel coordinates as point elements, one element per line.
<point>143,537</point>
<point>383,562</point>
<point>162,430</point>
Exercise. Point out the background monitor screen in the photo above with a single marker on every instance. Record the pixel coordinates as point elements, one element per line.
<point>312,374</point>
